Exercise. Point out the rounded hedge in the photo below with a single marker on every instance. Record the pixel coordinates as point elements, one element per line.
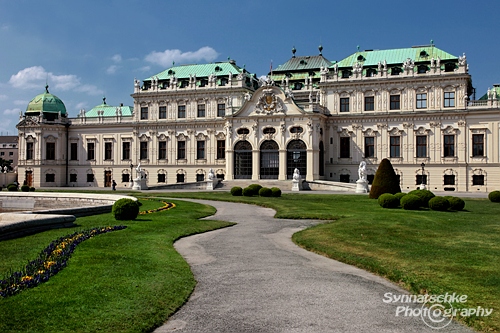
<point>424,195</point>
<point>399,195</point>
<point>236,191</point>
<point>25,188</point>
<point>248,191</point>
<point>265,192</point>
<point>255,188</point>
<point>32,189</point>
<point>494,196</point>
<point>388,200</point>
<point>456,203</point>
<point>12,187</point>
<point>276,192</point>
<point>125,209</point>
<point>439,203</point>
<point>411,202</point>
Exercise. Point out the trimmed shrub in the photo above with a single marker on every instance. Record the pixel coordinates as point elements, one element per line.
<point>494,196</point>
<point>424,195</point>
<point>255,188</point>
<point>12,187</point>
<point>265,192</point>
<point>388,200</point>
<point>32,189</point>
<point>248,191</point>
<point>411,202</point>
<point>25,188</point>
<point>276,192</point>
<point>236,191</point>
<point>456,203</point>
<point>125,209</point>
<point>399,195</point>
<point>439,203</point>
<point>385,180</point>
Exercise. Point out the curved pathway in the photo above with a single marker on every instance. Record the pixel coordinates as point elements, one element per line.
<point>253,278</point>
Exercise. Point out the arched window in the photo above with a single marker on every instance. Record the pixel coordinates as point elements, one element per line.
<point>269,160</point>
<point>243,160</point>
<point>296,158</point>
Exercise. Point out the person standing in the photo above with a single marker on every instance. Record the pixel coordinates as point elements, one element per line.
<point>113,185</point>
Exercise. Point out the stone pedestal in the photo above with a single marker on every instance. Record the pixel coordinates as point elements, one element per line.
<point>361,186</point>
<point>140,184</point>
<point>297,185</point>
<point>211,184</point>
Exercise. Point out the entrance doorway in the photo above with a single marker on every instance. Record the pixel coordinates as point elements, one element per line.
<point>296,157</point>
<point>243,160</point>
<point>269,160</point>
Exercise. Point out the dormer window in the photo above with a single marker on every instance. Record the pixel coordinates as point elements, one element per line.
<point>297,86</point>
<point>423,54</point>
<point>346,74</point>
<point>395,70</point>
<point>171,72</point>
<point>184,84</point>
<point>361,58</point>
<point>370,72</point>
<point>303,62</point>
<point>203,82</point>
<point>218,69</point>
<point>449,67</point>
<point>422,69</point>
<point>223,81</point>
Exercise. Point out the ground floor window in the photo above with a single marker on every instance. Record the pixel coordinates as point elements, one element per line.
<point>449,180</point>
<point>478,180</point>
<point>200,177</point>
<point>161,178</point>
<point>296,158</point>
<point>370,178</point>
<point>125,178</point>
<point>345,178</point>
<point>50,177</point>
<point>421,179</point>
<point>180,178</point>
<point>243,160</point>
<point>72,177</point>
<point>269,160</point>
<point>90,178</point>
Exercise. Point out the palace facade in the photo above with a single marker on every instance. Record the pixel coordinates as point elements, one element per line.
<point>415,106</point>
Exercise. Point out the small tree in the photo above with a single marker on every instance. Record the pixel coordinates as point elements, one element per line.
<point>385,181</point>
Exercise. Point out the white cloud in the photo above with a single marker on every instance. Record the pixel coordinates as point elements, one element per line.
<point>90,89</point>
<point>14,111</point>
<point>117,58</point>
<point>20,102</point>
<point>145,69</point>
<point>81,105</point>
<point>166,57</point>
<point>112,69</point>
<point>3,97</point>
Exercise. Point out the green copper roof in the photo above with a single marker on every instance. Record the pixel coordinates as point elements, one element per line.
<point>396,56</point>
<point>303,64</point>
<point>108,110</point>
<point>205,70</point>
<point>46,102</point>
<point>496,87</point>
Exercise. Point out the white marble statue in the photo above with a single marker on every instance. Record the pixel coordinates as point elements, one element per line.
<point>362,171</point>
<point>211,174</point>
<point>296,174</point>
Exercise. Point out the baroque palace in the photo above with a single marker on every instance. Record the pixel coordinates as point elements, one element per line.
<point>415,106</point>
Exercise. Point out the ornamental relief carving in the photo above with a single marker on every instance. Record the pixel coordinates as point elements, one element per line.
<point>396,131</point>
<point>143,137</point>
<point>269,103</point>
<point>381,126</point>
<point>345,133</point>
<point>450,130</point>
<point>220,136</point>
<point>422,131</point>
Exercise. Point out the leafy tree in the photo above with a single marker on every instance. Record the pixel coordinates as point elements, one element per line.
<point>385,181</point>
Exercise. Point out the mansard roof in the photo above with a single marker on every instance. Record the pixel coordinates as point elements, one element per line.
<point>496,88</point>
<point>204,70</point>
<point>297,64</point>
<point>108,110</point>
<point>396,56</point>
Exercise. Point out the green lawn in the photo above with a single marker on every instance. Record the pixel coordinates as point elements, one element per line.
<point>124,281</point>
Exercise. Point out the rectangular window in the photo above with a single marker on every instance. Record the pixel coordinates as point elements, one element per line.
<point>161,178</point>
<point>346,74</point>
<point>369,146</point>
<point>221,149</point>
<point>419,179</point>
<point>162,114</point>
<point>73,151</point>
<point>345,178</point>
<point>201,111</point>
<point>162,150</point>
<point>90,178</point>
<point>344,104</point>
<point>421,101</point>
<point>50,177</point>
<point>144,113</point>
<point>449,146</point>
<point>181,111</point>
<point>345,147</point>
<point>200,150</point>
<point>478,180</point>
<point>108,150</point>
<point>125,177</point>
<point>29,150</point>
<point>72,177</point>
<point>11,153</point>
<point>449,180</point>
<point>369,103</point>
<point>180,178</point>
<point>477,144</point>
<point>395,142</point>
<point>90,151</point>
<point>200,177</point>
<point>50,154</point>
<point>143,154</point>
<point>449,99</point>
<point>395,102</point>
<point>421,146</point>
<point>181,150</point>
<point>221,110</point>
<point>126,150</point>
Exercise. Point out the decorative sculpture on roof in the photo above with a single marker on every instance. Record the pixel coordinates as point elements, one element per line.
<point>269,103</point>
<point>379,66</point>
<point>408,64</point>
<point>357,68</point>
<point>336,68</point>
<point>385,65</point>
<point>462,61</point>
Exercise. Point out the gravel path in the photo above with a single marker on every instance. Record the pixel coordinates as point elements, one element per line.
<point>252,278</point>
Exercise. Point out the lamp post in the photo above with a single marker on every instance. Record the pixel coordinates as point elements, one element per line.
<point>422,185</point>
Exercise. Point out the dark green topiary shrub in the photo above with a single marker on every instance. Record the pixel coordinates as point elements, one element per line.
<point>32,189</point>
<point>12,187</point>
<point>439,203</point>
<point>385,180</point>
<point>125,209</point>
<point>236,191</point>
<point>456,203</point>
<point>276,192</point>
<point>265,192</point>
<point>399,195</point>
<point>255,188</point>
<point>411,202</point>
<point>494,196</point>
<point>424,195</point>
<point>388,200</point>
<point>248,191</point>
<point>25,188</point>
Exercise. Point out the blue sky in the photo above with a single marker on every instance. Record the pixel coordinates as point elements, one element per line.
<point>88,49</point>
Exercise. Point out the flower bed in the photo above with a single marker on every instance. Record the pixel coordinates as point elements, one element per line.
<point>166,206</point>
<point>50,261</point>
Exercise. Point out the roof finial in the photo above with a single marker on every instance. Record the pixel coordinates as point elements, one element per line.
<point>104,100</point>
<point>432,42</point>
<point>173,63</point>
<point>320,48</point>
<point>293,51</point>
<point>46,88</point>
<point>358,47</point>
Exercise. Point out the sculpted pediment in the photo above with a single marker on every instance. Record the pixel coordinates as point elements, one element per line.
<point>268,101</point>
